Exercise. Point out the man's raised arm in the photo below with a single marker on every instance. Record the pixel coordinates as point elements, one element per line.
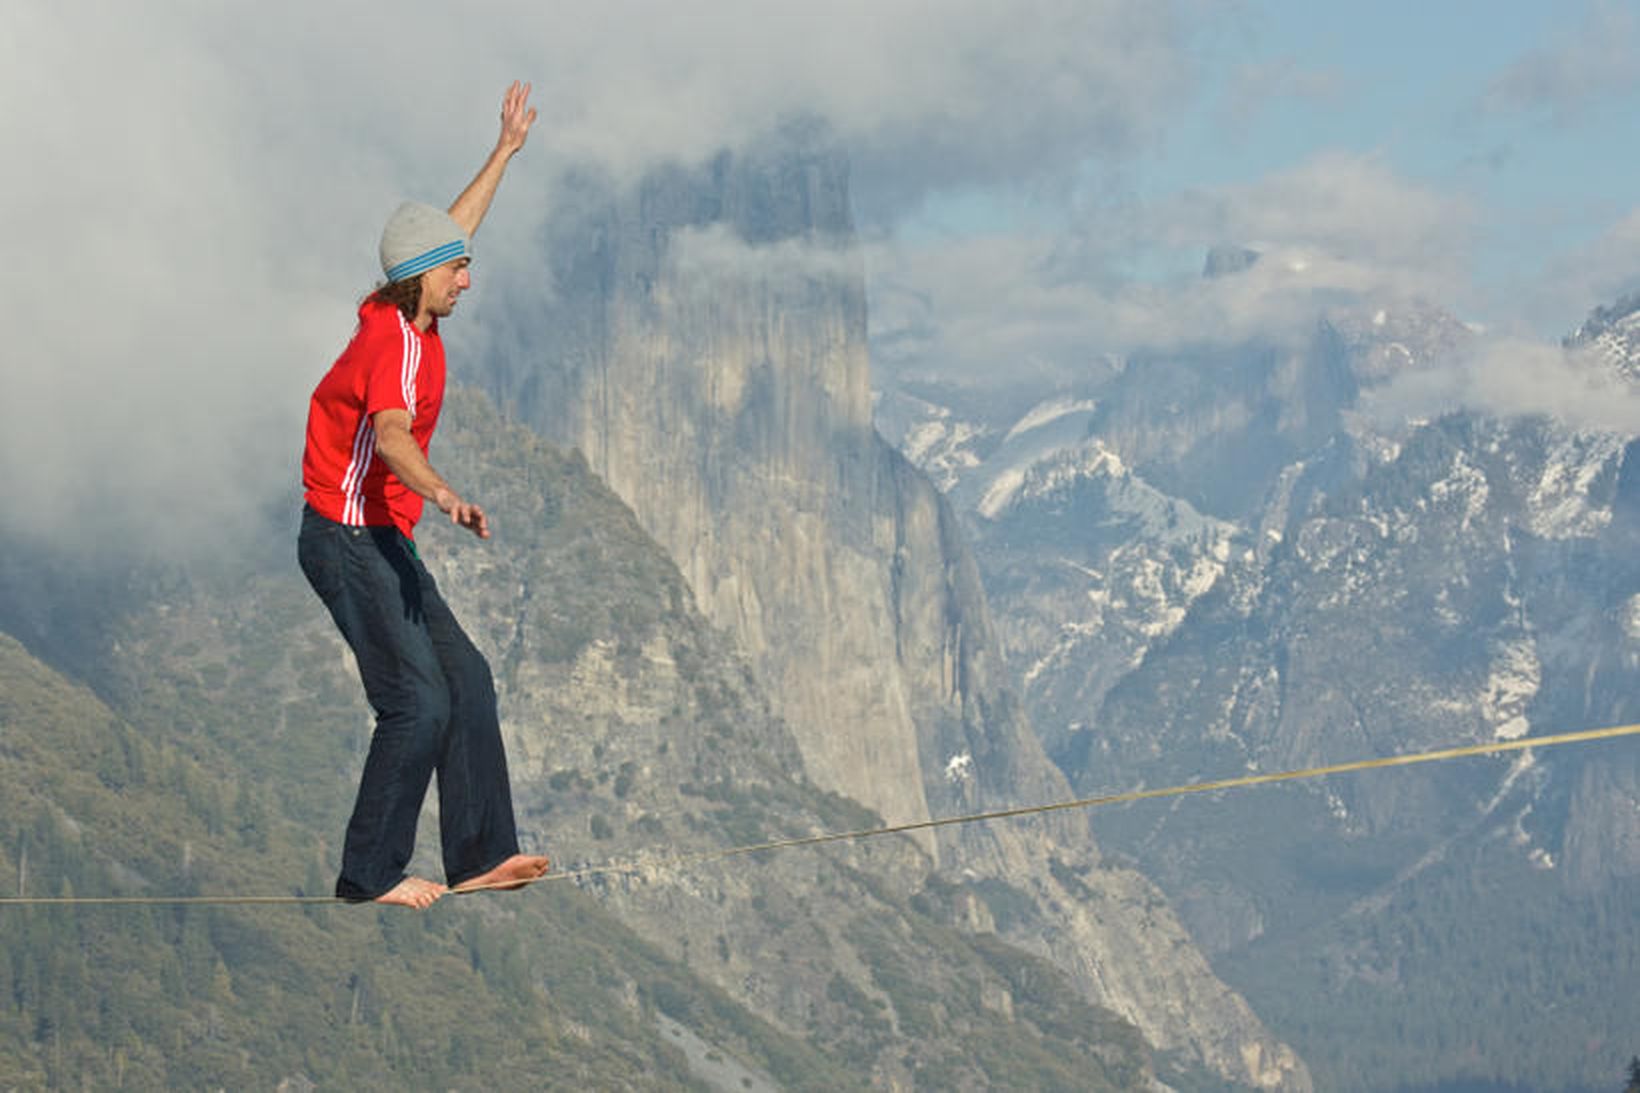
<point>516,118</point>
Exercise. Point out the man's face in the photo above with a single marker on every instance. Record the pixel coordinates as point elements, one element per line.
<point>442,284</point>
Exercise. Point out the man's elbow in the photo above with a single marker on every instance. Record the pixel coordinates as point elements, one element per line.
<point>392,429</point>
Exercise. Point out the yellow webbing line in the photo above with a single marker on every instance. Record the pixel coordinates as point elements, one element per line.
<point>1491,748</point>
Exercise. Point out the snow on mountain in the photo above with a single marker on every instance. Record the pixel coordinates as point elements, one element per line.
<point>1043,474</point>
<point>944,448</point>
<point>1091,565</point>
<point>1050,411</point>
<point>1383,342</point>
<point>1230,558</point>
<point>1561,503</point>
<point>1515,678</point>
<point>1049,439</point>
<point>1613,333</point>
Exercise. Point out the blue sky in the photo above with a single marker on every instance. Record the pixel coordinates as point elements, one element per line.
<point>1521,112</point>
<point>1476,97</point>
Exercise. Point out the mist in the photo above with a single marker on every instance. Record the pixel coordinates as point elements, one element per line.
<point>194,205</point>
<point>1506,377</point>
<point>197,189</point>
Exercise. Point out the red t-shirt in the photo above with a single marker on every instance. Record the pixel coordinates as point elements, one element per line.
<point>389,365</point>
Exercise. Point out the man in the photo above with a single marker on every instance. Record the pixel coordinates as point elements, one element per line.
<point>365,474</point>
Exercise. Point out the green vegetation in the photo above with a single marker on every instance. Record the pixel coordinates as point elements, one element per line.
<point>1011,1016</point>
<point>1488,950</point>
<point>197,997</point>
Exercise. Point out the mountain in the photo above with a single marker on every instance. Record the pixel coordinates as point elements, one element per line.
<point>217,749</point>
<point>1237,560</point>
<point>287,997</point>
<point>704,344</point>
<point>1613,332</point>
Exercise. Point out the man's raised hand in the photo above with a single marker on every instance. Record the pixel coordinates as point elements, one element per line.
<point>517,115</point>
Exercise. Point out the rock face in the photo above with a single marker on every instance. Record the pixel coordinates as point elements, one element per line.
<point>647,734</point>
<point>1232,560</point>
<point>705,348</point>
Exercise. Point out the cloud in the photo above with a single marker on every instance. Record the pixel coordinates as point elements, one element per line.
<point>1349,206</point>
<point>714,258</point>
<point>923,94</point>
<point>153,295</point>
<point>1334,230</point>
<point>1513,377</point>
<point>999,309</point>
<point>194,188</point>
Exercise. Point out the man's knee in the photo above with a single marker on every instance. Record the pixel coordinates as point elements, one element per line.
<point>474,680</point>
<point>419,709</point>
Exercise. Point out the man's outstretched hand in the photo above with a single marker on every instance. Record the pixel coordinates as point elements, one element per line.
<point>463,514</point>
<point>517,115</point>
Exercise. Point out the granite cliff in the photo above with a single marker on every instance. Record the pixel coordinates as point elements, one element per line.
<point>704,345</point>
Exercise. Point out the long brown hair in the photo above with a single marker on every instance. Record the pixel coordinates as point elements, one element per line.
<point>404,295</point>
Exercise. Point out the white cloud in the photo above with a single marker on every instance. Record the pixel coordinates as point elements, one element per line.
<point>1511,377</point>
<point>1350,206</point>
<point>194,188</point>
<point>708,257</point>
<point>1333,230</point>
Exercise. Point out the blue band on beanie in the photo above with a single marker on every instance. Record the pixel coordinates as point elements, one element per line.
<point>456,248</point>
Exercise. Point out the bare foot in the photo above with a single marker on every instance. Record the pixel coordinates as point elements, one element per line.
<point>412,892</point>
<point>515,872</point>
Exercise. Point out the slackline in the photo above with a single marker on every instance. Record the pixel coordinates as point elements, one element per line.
<point>685,860</point>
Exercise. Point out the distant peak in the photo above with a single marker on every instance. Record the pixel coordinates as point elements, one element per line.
<point>1225,260</point>
<point>1603,319</point>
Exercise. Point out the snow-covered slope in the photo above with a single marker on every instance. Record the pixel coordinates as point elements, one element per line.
<point>1215,561</point>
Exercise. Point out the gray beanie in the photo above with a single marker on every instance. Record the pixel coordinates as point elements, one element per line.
<point>419,237</point>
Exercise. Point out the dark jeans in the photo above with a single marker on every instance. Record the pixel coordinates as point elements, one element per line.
<point>435,710</point>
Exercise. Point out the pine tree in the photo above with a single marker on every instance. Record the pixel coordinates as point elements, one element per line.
<point>1634,1075</point>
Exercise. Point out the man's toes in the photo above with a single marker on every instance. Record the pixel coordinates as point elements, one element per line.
<point>412,892</point>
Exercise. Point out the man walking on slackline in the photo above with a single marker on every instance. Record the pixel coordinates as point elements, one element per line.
<point>365,474</point>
